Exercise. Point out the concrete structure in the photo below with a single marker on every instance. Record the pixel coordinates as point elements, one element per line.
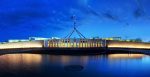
<point>123,44</point>
<point>38,38</point>
<point>56,38</point>
<point>27,44</point>
<point>113,38</point>
<point>68,42</point>
<point>17,40</point>
<point>76,43</point>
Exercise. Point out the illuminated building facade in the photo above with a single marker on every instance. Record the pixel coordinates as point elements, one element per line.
<point>68,42</point>
<point>76,43</point>
<point>81,42</point>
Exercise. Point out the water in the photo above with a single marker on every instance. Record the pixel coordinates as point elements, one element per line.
<point>44,65</point>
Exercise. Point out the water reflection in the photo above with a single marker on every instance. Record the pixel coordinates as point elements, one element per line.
<point>73,68</point>
<point>38,65</point>
<point>125,56</point>
<point>14,59</point>
<point>65,59</point>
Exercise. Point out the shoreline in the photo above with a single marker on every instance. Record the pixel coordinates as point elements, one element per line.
<point>75,51</point>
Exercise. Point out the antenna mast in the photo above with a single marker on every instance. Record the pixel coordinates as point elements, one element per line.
<point>74,28</point>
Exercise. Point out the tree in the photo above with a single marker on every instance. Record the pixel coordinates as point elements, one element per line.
<point>138,40</point>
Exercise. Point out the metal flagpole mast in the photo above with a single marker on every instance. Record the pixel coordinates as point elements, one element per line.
<point>74,28</point>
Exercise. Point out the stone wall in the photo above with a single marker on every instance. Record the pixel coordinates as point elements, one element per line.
<point>28,44</point>
<point>110,44</point>
<point>122,44</point>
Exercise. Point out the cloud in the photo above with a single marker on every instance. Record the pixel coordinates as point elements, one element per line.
<point>109,15</point>
<point>138,13</point>
<point>141,10</point>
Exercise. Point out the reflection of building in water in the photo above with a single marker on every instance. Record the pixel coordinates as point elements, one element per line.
<point>31,58</point>
<point>65,60</point>
<point>15,59</point>
<point>125,56</point>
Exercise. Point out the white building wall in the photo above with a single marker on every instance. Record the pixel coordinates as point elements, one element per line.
<point>121,44</point>
<point>28,44</point>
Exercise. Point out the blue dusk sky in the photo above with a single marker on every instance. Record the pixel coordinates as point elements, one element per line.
<point>20,19</point>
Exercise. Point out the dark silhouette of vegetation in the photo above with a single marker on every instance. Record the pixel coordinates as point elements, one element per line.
<point>136,40</point>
